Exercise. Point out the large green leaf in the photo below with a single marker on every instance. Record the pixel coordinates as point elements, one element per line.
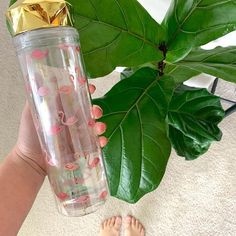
<point>180,73</point>
<point>138,150</point>
<point>128,72</point>
<point>192,23</point>
<point>116,33</point>
<point>193,118</point>
<point>219,62</point>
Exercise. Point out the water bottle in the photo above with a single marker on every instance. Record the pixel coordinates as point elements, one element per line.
<point>49,54</point>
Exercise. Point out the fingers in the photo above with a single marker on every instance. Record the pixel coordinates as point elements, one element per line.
<point>97,112</point>
<point>92,88</point>
<point>100,127</point>
<point>103,141</point>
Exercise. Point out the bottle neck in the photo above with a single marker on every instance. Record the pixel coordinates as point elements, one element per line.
<point>45,37</point>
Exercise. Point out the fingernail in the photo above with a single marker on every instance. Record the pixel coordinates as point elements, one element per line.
<point>103,141</point>
<point>97,112</point>
<point>92,88</point>
<point>100,127</point>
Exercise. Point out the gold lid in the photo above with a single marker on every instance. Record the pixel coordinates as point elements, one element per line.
<point>26,15</point>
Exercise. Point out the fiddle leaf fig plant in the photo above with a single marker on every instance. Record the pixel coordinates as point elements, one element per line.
<point>150,110</point>
<point>193,118</point>
<point>192,23</point>
<point>116,32</point>
<point>219,62</point>
<point>135,111</point>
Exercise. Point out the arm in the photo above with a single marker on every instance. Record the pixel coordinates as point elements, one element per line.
<point>23,171</point>
<point>20,183</point>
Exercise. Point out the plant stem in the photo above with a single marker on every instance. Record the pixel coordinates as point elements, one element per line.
<point>162,64</point>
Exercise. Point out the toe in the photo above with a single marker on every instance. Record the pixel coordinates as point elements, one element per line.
<point>128,221</point>
<point>109,222</point>
<point>140,227</point>
<point>133,221</point>
<point>106,223</point>
<point>118,222</point>
<point>112,222</point>
<point>142,232</point>
<point>137,223</point>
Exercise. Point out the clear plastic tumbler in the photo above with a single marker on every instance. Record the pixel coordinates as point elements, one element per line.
<point>57,91</point>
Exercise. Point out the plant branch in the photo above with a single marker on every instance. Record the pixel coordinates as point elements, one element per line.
<point>162,64</point>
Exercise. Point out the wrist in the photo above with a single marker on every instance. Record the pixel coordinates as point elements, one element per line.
<point>25,165</point>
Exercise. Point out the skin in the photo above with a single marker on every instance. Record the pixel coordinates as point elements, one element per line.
<point>23,171</point>
<point>112,227</point>
<point>22,174</point>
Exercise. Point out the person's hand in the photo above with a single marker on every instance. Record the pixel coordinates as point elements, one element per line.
<point>28,147</point>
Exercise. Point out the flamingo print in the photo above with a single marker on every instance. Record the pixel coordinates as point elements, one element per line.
<point>82,80</point>
<point>43,91</point>
<point>70,121</point>
<point>71,166</point>
<point>103,195</point>
<point>55,129</point>
<point>66,89</point>
<point>39,54</point>
<point>62,196</point>
<point>94,163</point>
<point>91,123</point>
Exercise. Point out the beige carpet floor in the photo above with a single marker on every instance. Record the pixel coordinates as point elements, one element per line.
<point>195,198</point>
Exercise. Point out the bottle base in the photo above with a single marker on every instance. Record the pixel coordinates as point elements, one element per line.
<point>75,209</point>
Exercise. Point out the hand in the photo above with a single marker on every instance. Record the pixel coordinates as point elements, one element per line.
<point>28,147</point>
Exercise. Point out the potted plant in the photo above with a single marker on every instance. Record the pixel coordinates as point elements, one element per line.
<point>150,110</point>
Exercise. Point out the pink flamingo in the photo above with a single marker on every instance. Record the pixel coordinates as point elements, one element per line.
<point>103,195</point>
<point>55,129</point>
<point>91,123</point>
<point>70,121</point>
<point>43,91</point>
<point>94,163</point>
<point>39,54</point>
<point>82,80</point>
<point>71,166</point>
<point>62,196</point>
<point>66,89</point>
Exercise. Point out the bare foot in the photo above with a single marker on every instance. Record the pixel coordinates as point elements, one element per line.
<point>133,227</point>
<point>111,226</point>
